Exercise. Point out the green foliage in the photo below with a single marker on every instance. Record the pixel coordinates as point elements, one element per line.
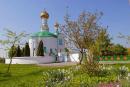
<point>90,68</point>
<point>66,50</point>
<point>13,38</point>
<point>40,50</point>
<point>103,40</point>
<point>119,50</point>
<point>22,51</point>
<point>122,72</point>
<point>114,50</point>
<point>2,60</point>
<point>36,76</point>
<point>26,50</point>
<point>12,51</point>
<point>24,75</point>
<point>18,52</point>
<point>57,78</point>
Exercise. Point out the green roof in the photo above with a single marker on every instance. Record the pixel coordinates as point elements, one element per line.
<point>43,34</point>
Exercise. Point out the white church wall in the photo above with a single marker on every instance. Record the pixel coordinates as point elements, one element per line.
<point>48,42</point>
<point>74,57</point>
<point>63,45</point>
<point>31,46</point>
<point>31,60</point>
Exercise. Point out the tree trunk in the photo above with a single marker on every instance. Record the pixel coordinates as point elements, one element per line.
<point>9,65</point>
<point>81,58</point>
<point>89,57</point>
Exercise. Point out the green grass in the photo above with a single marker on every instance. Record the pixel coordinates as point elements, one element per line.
<point>29,75</point>
<point>22,74</point>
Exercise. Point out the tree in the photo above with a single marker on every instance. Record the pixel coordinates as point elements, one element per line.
<point>103,41</point>
<point>12,38</point>
<point>119,50</point>
<point>26,50</point>
<point>40,50</point>
<point>22,51</point>
<point>12,51</point>
<point>18,52</point>
<point>82,33</point>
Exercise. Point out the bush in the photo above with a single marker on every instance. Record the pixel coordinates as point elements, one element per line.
<point>90,68</point>
<point>104,71</point>
<point>84,76</point>
<point>2,60</point>
<point>12,51</point>
<point>122,72</point>
<point>18,51</point>
<point>26,50</point>
<point>22,51</point>
<point>56,77</point>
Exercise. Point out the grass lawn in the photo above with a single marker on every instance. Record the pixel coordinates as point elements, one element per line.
<point>28,75</point>
<point>21,74</point>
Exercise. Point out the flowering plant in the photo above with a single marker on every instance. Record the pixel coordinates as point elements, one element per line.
<point>123,72</point>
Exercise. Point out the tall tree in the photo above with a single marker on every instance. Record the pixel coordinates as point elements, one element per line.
<point>18,52</point>
<point>26,50</point>
<point>81,34</point>
<point>22,51</point>
<point>119,50</point>
<point>40,50</point>
<point>12,51</point>
<point>103,41</point>
<point>12,38</point>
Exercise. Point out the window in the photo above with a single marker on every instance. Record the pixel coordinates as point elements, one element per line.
<point>44,49</point>
<point>60,42</point>
<point>50,52</point>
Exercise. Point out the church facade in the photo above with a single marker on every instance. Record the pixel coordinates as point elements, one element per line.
<point>53,42</point>
<point>53,45</point>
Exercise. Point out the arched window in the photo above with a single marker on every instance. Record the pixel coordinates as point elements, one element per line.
<point>60,42</point>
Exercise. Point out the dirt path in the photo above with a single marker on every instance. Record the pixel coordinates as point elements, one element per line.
<point>59,64</point>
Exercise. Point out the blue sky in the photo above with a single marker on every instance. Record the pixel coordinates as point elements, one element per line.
<point>23,15</point>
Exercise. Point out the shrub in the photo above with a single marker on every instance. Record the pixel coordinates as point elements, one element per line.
<point>90,68</point>
<point>2,60</point>
<point>104,71</point>
<point>22,51</point>
<point>122,72</point>
<point>12,51</point>
<point>56,78</point>
<point>26,50</point>
<point>18,51</point>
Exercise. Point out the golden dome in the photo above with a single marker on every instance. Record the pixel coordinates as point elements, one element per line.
<point>44,14</point>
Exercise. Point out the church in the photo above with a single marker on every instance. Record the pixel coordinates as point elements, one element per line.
<point>53,45</point>
<point>53,42</point>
